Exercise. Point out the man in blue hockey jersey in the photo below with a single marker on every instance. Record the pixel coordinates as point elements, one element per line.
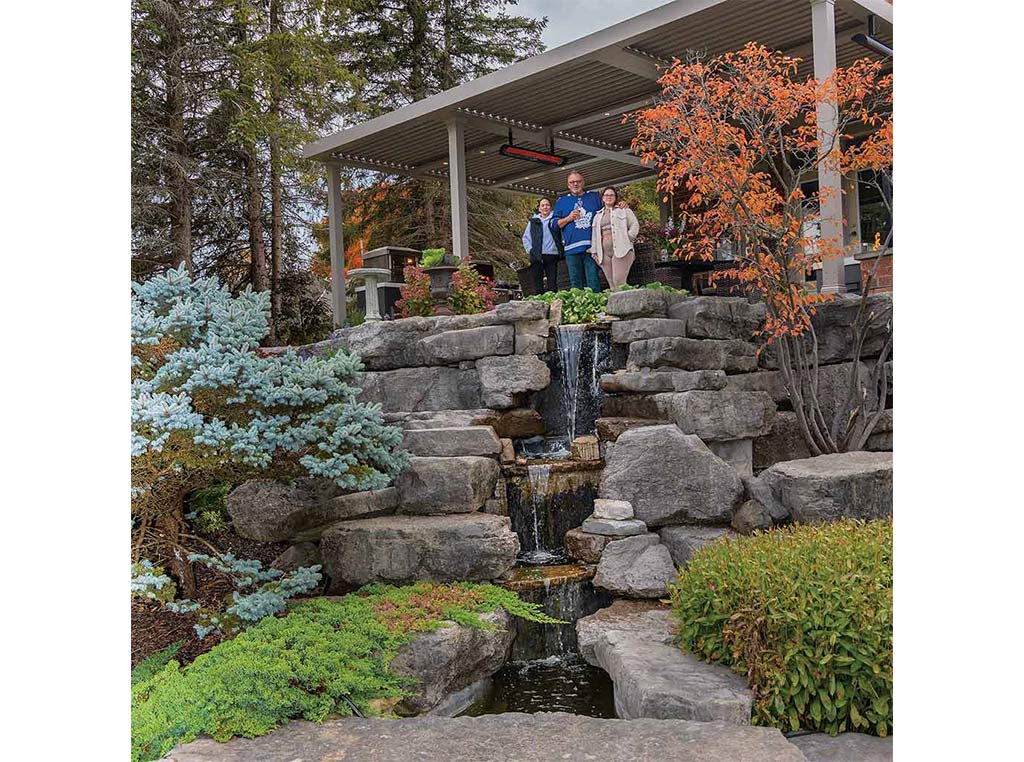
<point>573,214</point>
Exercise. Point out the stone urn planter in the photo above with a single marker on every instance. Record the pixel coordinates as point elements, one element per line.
<point>440,280</point>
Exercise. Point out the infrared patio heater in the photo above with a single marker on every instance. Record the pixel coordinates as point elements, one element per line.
<point>552,159</point>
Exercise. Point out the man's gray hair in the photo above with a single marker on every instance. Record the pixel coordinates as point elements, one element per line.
<point>574,172</point>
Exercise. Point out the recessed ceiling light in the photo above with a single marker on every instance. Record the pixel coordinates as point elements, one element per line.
<point>482,151</point>
<point>445,163</point>
<point>607,113</point>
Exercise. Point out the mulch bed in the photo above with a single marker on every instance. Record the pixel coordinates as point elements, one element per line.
<point>154,628</point>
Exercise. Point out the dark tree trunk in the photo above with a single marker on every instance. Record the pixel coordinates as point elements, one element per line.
<point>170,527</point>
<point>180,206</point>
<point>276,200</point>
<point>258,271</point>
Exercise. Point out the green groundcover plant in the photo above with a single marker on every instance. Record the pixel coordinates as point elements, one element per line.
<point>806,613</point>
<point>306,664</point>
<point>581,305</point>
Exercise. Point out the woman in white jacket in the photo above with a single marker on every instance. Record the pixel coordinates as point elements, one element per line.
<point>611,245</point>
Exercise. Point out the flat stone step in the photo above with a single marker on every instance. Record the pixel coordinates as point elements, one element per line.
<point>653,678</point>
<point>845,747</point>
<point>511,737</point>
<point>659,681</point>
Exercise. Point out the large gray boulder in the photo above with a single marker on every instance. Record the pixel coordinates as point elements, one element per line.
<point>626,331</point>
<point>450,658</point>
<point>521,311</point>
<point>271,511</point>
<point>713,416</point>
<point>663,380</point>
<point>731,355</point>
<point>420,389</point>
<point>719,317</point>
<point>683,542</point>
<point>585,547</point>
<point>298,555</point>
<point>507,737</point>
<point>438,419</point>
<point>738,453</point>
<point>833,326</point>
<point>451,441</point>
<point>783,441</point>
<point>833,385</point>
<point>503,378</point>
<point>641,302</point>
<point>829,487</point>
<point>432,486</point>
<point>636,567</point>
<point>472,344</point>
<point>670,478</point>
<point>609,429</point>
<point>398,550</point>
<point>881,438</point>
<point>387,344</point>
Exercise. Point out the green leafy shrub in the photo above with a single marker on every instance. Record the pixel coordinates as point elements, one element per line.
<point>416,300</point>
<point>303,664</point>
<point>431,257</point>
<point>806,613</point>
<point>579,305</point>
<point>655,286</point>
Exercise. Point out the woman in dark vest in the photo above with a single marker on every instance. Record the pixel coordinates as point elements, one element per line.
<point>544,248</point>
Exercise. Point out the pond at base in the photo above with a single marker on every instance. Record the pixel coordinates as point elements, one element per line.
<point>557,684</point>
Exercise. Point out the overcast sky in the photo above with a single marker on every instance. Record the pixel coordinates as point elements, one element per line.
<point>568,21</point>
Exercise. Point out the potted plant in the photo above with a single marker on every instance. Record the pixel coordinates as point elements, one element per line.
<point>438,264</point>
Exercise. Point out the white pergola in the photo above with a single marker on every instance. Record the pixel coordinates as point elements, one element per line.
<point>573,97</point>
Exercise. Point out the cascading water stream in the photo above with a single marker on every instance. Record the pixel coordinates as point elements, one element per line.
<point>537,478</point>
<point>569,340</point>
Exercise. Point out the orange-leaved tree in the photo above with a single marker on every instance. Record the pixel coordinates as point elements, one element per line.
<point>740,133</point>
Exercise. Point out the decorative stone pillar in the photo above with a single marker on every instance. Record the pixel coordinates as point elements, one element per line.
<point>370,276</point>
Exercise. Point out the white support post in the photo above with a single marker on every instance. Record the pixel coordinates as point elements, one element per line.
<point>823,31</point>
<point>457,177</point>
<point>336,221</point>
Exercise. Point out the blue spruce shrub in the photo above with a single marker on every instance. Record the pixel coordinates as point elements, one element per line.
<point>207,407</point>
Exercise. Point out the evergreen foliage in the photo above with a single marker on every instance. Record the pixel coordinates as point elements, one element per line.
<point>806,613</point>
<point>206,407</point>
<point>259,593</point>
<point>303,664</point>
<point>154,663</point>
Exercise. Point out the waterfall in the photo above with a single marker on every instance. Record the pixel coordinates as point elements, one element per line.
<point>564,592</point>
<point>538,476</point>
<point>569,340</point>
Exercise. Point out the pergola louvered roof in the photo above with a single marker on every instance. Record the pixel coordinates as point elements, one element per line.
<point>575,95</point>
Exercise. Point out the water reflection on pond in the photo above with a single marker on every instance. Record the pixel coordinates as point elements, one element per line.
<point>557,684</point>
